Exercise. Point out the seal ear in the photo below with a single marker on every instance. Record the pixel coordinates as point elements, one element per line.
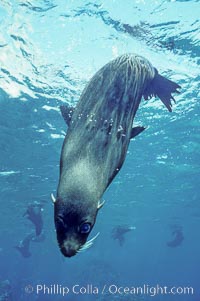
<point>67,113</point>
<point>53,198</point>
<point>100,204</point>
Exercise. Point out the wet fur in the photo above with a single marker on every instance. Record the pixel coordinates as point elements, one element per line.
<point>100,128</point>
<point>99,132</point>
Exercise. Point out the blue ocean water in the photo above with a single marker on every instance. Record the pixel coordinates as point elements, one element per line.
<point>48,52</point>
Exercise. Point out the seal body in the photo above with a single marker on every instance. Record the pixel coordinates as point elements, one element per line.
<point>97,139</point>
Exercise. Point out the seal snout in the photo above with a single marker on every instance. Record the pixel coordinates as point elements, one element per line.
<point>68,250</point>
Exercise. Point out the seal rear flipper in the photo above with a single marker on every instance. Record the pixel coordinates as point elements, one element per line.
<point>67,113</point>
<point>163,88</point>
<point>136,131</point>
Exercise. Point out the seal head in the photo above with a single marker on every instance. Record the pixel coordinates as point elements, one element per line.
<point>74,221</point>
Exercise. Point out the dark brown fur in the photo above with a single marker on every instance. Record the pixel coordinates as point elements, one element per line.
<point>96,143</point>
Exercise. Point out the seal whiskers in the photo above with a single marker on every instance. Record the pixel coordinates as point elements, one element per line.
<point>88,243</point>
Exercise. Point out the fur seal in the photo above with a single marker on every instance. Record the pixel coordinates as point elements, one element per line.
<point>118,233</point>
<point>99,131</point>
<point>24,245</point>
<point>34,214</point>
<point>178,237</point>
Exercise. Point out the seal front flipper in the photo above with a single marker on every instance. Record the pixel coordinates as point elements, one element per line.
<point>163,88</point>
<point>67,113</point>
<point>136,131</point>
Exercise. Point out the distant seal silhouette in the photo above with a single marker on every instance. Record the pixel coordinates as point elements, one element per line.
<point>178,237</point>
<point>118,233</point>
<point>24,245</point>
<point>34,214</point>
<point>99,131</point>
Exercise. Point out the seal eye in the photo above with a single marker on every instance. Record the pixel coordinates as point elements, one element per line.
<point>85,228</point>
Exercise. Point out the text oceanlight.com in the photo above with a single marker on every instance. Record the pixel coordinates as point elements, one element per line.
<point>112,289</point>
